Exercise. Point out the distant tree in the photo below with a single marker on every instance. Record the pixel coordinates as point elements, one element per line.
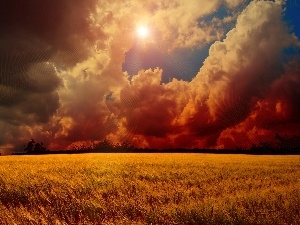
<point>104,145</point>
<point>43,148</point>
<point>30,146</point>
<point>262,147</point>
<point>127,146</point>
<point>282,142</point>
<point>287,142</point>
<point>280,145</point>
<point>82,147</point>
<point>39,147</point>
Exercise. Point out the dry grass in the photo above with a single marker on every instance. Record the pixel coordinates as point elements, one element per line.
<point>149,189</point>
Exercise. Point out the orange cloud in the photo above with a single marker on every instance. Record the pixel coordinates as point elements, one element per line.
<point>69,87</point>
<point>225,105</point>
<point>277,112</point>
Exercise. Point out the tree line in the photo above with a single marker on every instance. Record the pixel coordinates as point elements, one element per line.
<point>33,147</point>
<point>280,145</point>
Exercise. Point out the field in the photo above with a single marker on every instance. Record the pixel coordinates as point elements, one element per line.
<point>149,189</point>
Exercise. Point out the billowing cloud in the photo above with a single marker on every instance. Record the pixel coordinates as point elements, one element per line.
<point>249,57</point>
<point>241,67</point>
<point>32,35</point>
<point>276,112</point>
<point>62,82</point>
<point>149,108</point>
<point>235,75</point>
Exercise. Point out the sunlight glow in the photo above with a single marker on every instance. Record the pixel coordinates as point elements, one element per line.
<point>143,31</point>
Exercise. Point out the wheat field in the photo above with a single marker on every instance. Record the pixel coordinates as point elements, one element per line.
<point>149,189</point>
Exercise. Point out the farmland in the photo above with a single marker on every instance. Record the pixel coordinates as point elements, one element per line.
<point>132,188</point>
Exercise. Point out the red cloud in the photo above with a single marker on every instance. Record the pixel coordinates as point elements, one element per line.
<point>243,94</point>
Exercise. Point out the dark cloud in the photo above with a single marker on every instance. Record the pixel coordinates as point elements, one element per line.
<point>48,20</point>
<point>275,112</point>
<point>33,35</point>
<point>61,78</point>
<point>152,110</point>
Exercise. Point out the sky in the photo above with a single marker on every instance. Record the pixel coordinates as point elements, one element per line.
<point>200,74</point>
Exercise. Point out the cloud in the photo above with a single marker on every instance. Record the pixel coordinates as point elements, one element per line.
<point>96,92</point>
<point>33,35</point>
<point>275,112</point>
<point>245,62</point>
<point>62,82</point>
<point>177,23</point>
<point>237,73</point>
<point>148,108</point>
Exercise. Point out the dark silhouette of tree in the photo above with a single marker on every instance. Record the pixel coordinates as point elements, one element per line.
<point>282,142</point>
<point>287,142</point>
<point>32,146</point>
<point>127,146</point>
<point>38,147</point>
<point>104,145</point>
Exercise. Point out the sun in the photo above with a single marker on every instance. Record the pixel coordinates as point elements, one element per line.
<point>142,31</point>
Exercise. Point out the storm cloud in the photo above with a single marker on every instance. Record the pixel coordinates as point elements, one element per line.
<point>62,78</point>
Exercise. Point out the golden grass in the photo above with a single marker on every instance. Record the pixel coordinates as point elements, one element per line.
<point>149,189</point>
